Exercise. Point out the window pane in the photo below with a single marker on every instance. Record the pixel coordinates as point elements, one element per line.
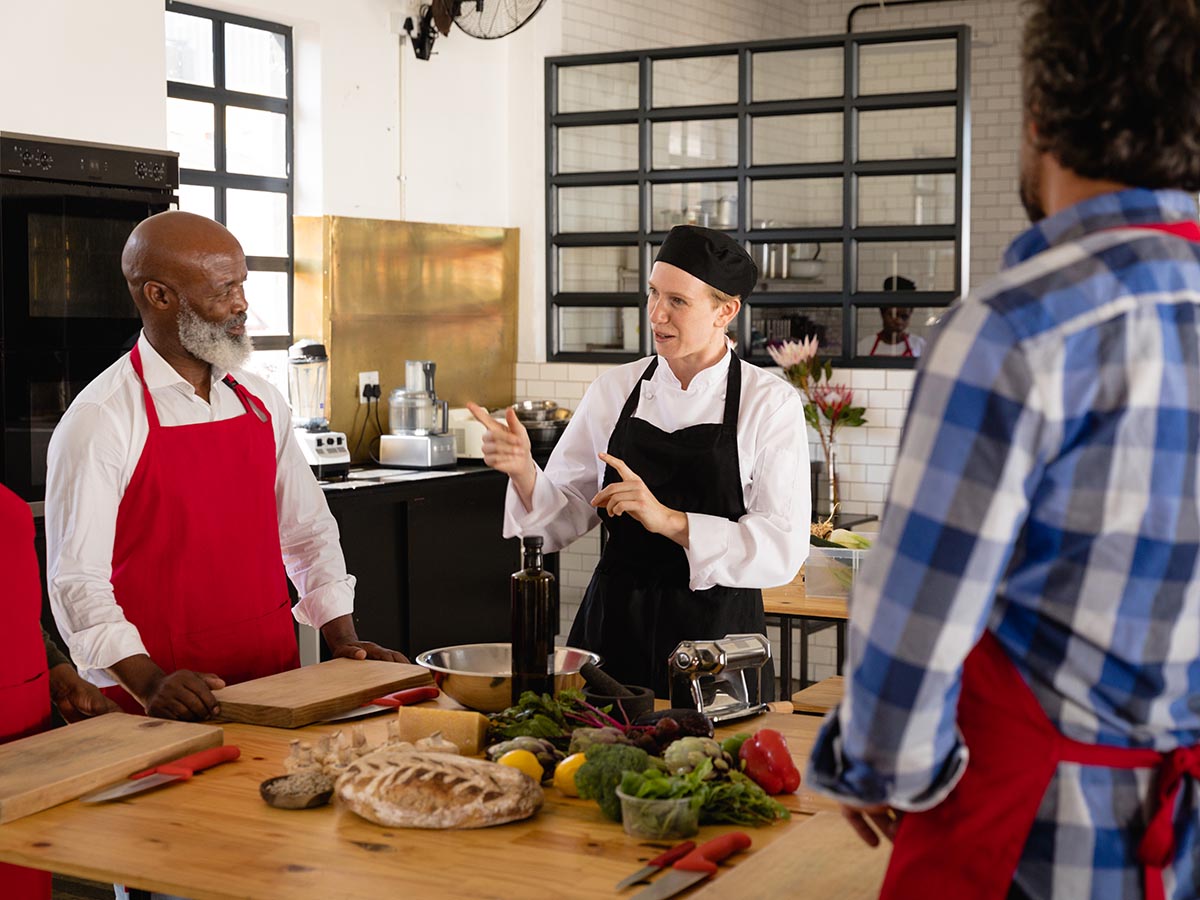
<point>189,49</point>
<point>906,200</point>
<point>271,365</point>
<point>798,74</point>
<point>259,220</point>
<point>266,296</point>
<point>611,208</point>
<point>255,142</point>
<point>598,329</point>
<point>895,330</point>
<point>598,269</point>
<point>690,82</point>
<point>811,138</point>
<point>701,142</point>
<point>798,266</point>
<point>796,202</point>
<point>255,61</point>
<point>598,148</point>
<point>190,132</point>
<point>589,88</point>
<point>197,199</point>
<point>929,265</point>
<point>899,68</point>
<point>906,133</point>
<point>792,323</point>
<point>712,204</point>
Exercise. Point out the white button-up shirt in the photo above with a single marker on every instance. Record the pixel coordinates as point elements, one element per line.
<point>92,456</point>
<point>765,548</point>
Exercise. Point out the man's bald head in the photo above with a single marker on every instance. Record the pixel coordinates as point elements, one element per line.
<point>174,248</point>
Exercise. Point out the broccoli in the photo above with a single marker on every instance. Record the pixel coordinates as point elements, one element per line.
<point>599,777</point>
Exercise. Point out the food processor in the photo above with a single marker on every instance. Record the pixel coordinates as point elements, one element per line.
<point>418,420</point>
<point>325,451</point>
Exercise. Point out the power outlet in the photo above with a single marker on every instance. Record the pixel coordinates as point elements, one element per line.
<point>366,379</point>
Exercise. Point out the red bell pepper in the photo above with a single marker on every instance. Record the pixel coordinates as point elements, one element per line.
<point>768,762</point>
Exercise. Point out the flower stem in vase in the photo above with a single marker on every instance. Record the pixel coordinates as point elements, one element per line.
<point>831,472</point>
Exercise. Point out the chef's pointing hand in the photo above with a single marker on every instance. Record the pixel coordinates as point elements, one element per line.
<point>506,449</point>
<point>631,496</point>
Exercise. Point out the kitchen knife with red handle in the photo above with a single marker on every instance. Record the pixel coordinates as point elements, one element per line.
<point>181,769</point>
<point>696,866</point>
<point>406,697</point>
<point>657,864</point>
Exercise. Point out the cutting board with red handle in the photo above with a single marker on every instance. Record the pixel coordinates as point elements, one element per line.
<point>55,766</point>
<point>310,694</point>
<point>820,857</point>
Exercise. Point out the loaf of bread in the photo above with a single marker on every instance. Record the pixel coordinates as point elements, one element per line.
<point>411,789</point>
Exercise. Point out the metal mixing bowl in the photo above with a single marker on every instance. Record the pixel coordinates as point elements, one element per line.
<point>535,410</point>
<point>479,676</point>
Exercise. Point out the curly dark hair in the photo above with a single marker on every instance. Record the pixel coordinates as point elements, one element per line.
<point>1113,88</point>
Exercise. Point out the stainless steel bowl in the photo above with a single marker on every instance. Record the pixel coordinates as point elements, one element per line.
<point>479,676</point>
<point>535,410</point>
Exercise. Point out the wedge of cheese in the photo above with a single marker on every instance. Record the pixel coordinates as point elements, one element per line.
<point>466,729</point>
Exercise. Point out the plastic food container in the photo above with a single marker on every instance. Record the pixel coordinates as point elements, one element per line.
<point>659,819</point>
<point>830,571</point>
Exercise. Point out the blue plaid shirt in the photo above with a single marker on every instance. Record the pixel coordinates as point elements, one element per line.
<point>1045,489</point>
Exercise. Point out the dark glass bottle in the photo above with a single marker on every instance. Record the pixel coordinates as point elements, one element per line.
<point>534,623</point>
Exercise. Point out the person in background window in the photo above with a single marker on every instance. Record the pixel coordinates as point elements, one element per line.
<point>1023,669</point>
<point>177,500</point>
<point>696,463</point>
<point>893,339</point>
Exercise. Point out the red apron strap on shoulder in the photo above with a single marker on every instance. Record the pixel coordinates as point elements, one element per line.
<point>135,357</point>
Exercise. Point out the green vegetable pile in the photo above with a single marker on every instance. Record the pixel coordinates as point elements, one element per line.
<point>599,777</point>
<point>730,798</point>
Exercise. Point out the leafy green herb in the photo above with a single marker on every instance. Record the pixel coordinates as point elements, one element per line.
<point>732,799</point>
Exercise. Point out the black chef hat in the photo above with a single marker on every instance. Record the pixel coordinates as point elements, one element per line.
<point>712,256</point>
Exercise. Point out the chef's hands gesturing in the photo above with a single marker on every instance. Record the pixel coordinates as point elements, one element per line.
<point>506,449</point>
<point>630,496</point>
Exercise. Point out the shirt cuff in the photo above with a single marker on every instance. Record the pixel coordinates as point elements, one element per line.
<point>97,649</point>
<point>547,502</point>
<point>832,774</point>
<point>326,603</point>
<point>708,542</point>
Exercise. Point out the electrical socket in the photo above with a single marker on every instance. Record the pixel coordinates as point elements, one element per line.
<point>365,379</point>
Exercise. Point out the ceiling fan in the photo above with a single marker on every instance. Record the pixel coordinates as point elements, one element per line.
<point>484,19</point>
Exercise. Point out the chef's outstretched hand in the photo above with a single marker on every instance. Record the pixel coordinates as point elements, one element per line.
<point>366,650</point>
<point>75,698</point>
<point>631,497</point>
<point>184,695</point>
<point>506,449</point>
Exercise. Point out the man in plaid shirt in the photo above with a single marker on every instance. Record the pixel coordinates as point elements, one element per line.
<point>1023,697</point>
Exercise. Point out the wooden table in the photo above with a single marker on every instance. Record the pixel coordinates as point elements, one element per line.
<point>819,698</point>
<point>215,838</point>
<point>791,602</point>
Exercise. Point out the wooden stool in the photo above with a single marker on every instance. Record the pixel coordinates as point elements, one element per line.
<point>818,699</point>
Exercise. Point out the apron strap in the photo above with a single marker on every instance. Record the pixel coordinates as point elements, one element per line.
<point>248,399</point>
<point>135,357</point>
<point>733,397</point>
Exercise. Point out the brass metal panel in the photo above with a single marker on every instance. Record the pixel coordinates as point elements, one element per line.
<point>385,292</point>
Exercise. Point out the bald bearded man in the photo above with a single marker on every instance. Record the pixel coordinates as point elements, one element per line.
<point>178,503</point>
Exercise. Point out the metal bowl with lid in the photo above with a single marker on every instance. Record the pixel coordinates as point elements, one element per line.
<point>479,676</point>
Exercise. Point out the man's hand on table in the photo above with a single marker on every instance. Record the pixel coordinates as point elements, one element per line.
<point>343,643</point>
<point>886,819</point>
<point>184,695</point>
<point>75,698</point>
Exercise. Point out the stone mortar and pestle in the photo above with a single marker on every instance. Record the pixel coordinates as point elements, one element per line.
<point>627,701</point>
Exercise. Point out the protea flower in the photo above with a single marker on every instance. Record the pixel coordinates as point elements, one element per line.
<point>788,354</point>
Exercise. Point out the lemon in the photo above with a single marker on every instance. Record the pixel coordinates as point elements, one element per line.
<point>524,761</point>
<point>564,775</point>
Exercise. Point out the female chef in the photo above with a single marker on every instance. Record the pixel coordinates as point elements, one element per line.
<point>695,462</point>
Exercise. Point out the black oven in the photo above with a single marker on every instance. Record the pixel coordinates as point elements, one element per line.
<point>66,209</point>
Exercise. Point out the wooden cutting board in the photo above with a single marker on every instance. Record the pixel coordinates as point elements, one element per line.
<point>822,857</point>
<point>46,769</point>
<point>314,693</point>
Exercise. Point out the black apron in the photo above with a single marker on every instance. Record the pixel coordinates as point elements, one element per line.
<point>638,606</point>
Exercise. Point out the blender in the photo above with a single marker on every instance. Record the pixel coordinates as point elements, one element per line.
<point>420,437</point>
<point>325,451</point>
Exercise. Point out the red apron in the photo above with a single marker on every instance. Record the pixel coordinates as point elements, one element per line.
<point>879,340</point>
<point>969,845</point>
<point>197,565</point>
<point>24,681</point>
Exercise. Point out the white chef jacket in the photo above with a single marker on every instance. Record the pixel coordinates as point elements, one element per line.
<point>92,456</point>
<point>765,548</point>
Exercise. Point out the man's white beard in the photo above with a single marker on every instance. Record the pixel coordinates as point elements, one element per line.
<point>211,341</point>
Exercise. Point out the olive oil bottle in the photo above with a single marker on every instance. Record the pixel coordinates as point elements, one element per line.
<point>534,623</point>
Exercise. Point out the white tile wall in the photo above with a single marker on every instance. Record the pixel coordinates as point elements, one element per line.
<point>866,455</point>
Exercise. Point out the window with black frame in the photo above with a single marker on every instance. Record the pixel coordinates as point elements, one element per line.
<point>229,115</point>
<point>839,162</point>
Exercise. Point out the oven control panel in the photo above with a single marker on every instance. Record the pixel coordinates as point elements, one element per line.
<point>51,159</point>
